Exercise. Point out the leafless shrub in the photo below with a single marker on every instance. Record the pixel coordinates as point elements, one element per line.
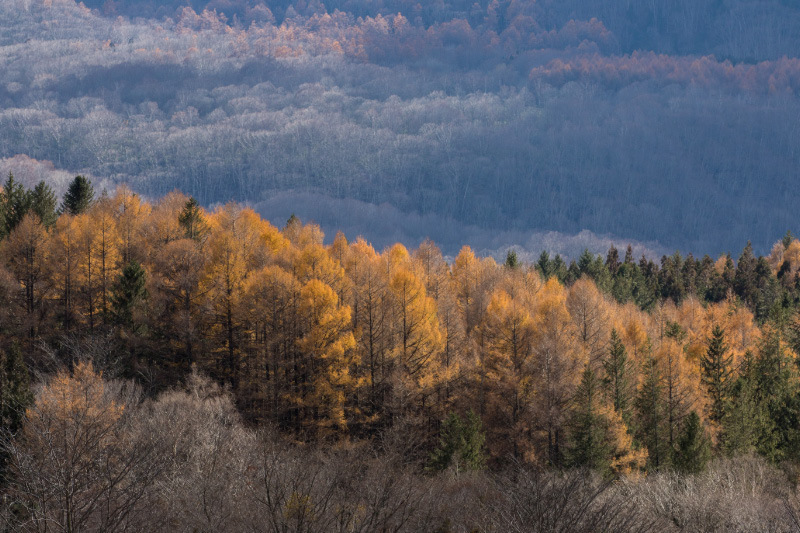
<point>734,495</point>
<point>80,462</point>
<point>575,501</point>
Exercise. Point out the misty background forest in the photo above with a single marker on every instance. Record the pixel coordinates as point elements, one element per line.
<point>554,124</point>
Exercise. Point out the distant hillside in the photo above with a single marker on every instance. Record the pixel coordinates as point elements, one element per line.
<point>673,123</point>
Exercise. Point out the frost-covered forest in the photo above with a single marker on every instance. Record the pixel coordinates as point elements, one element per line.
<point>488,123</point>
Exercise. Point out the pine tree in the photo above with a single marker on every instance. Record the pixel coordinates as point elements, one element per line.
<point>629,256</point>
<point>775,379</point>
<point>544,265</point>
<point>588,444</point>
<point>127,292</point>
<point>15,202</point>
<point>716,373</point>
<point>559,268</point>
<point>461,444</point>
<point>585,261</point>
<point>79,196</point>
<point>43,203</point>
<point>651,415</point>
<point>745,418</point>
<point>671,278</point>
<point>15,394</point>
<point>694,448</point>
<point>617,380</point>
<point>15,397</point>
<point>624,283</point>
<point>512,261</point>
<point>192,220</point>
<point>612,260</point>
<point>745,280</point>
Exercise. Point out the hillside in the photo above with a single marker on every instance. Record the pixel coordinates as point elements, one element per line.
<point>493,122</point>
<point>164,367</point>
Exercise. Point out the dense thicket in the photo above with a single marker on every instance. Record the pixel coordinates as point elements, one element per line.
<point>503,115</point>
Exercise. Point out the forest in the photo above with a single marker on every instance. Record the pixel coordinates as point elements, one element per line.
<point>479,118</point>
<point>168,367</point>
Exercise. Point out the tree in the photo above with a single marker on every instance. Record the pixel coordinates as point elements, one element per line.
<point>507,331</point>
<point>677,397</point>
<point>598,438</point>
<point>744,282</point>
<point>234,248</point>
<point>66,255</point>
<point>192,220</point>
<point>557,362</point>
<point>15,398</point>
<point>78,464</point>
<point>717,373</point>
<point>79,196</point>
<point>329,359</point>
<point>618,377</point>
<point>130,214</point>
<point>43,204</point>
<point>175,310</point>
<point>612,260</point>
<point>15,202</point>
<point>651,415</point>
<point>512,261</point>
<point>461,444</point>
<point>588,310</point>
<point>746,417</point>
<point>588,444</point>
<point>694,448</point>
<point>416,327</point>
<point>88,272</point>
<point>671,278</point>
<point>277,367</point>
<point>107,242</point>
<point>127,293</point>
<point>544,265</point>
<point>775,375</point>
<point>787,239</point>
<point>371,317</point>
<point>27,251</point>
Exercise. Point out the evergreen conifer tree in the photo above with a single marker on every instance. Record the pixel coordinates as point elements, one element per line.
<point>745,418</point>
<point>617,379</point>
<point>651,417</point>
<point>559,268</point>
<point>461,444</point>
<point>15,397</point>
<point>717,373</point>
<point>694,448</point>
<point>512,261</point>
<point>544,265</point>
<point>79,196</point>
<point>589,446</point>
<point>15,202</point>
<point>192,220</point>
<point>44,204</point>
<point>127,292</point>
<point>612,260</point>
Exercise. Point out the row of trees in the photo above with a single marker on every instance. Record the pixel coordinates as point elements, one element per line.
<point>767,285</point>
<point>731,29</point>
<point>331,342</point>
